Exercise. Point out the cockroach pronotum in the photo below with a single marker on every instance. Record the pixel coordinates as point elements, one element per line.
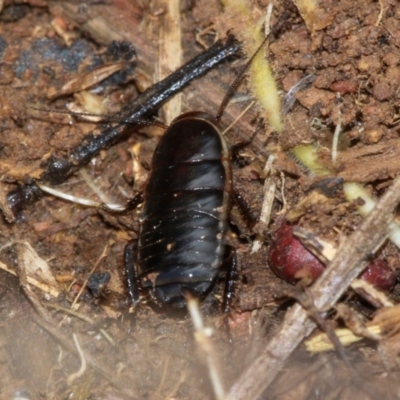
<point>184,219</point>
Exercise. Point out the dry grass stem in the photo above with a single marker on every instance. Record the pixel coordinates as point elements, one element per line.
<point>82,368</point>
<point>88,79</point>
<point>103,255</point>
<point>170,53</point>
<point>268,201</point>
<point>202,336</point>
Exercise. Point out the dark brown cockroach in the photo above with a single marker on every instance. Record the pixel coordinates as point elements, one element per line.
<point>186,203</point>
<point>184,219</point>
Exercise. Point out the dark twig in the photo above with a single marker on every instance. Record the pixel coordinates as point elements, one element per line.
<point>57,169</point>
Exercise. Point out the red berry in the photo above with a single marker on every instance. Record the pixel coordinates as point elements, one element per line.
<point>291,261</point>
<point>380,275</point>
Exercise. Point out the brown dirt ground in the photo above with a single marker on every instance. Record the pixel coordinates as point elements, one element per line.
<point>356,61</point>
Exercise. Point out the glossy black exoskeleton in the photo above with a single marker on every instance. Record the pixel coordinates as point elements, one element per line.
<point>184,218</point>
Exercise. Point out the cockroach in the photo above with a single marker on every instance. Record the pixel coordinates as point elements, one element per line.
<point>183,222</point>
<point>181,244</point>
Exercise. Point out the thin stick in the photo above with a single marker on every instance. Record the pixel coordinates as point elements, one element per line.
<point>79,200</point>
<point>268,201</point>
<point>83,317</point>
<point>170,53</point>
<point>202,336</point>
<point>335,140</point>
<point>82,369</point>
<point>32,281</point>
<point>238,118</point>
<point>381,11</point>
<point>89,181</point>
<point>70,312</point>
<point>87,279</point>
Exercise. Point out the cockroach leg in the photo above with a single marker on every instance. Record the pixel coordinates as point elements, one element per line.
<point>245,209</point>
<point>230,280</point>
<point>131,277</point>
<point>241,145</point>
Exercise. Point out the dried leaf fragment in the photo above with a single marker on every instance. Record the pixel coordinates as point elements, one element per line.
<point>385,322</point>
<point>87,80</point>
